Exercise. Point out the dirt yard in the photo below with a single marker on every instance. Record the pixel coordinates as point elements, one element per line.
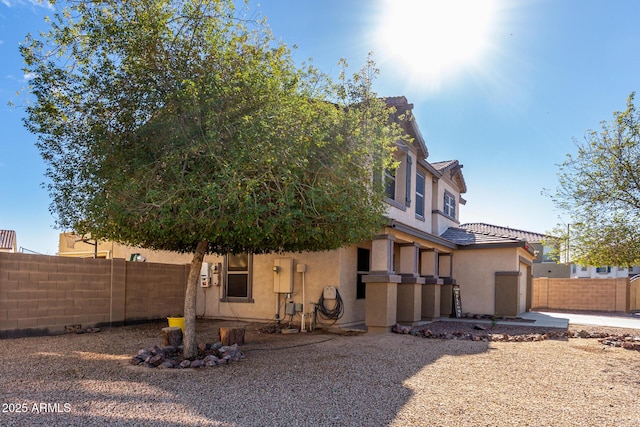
<point>323,379</point>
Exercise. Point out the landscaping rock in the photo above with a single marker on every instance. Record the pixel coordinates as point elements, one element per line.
<point>198,363</point>
<point>169,357</point>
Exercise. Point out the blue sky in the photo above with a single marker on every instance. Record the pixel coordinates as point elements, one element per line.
<point>503,86</point>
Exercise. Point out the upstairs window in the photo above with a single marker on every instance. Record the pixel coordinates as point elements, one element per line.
<point>420,195</point>
<point>449,204</point>
<point>390,183</point>
<point>548,254</point>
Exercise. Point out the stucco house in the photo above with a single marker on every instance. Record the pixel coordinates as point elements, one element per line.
<point>8,241</point>
<point>406,273</point>
<point>545,263</point>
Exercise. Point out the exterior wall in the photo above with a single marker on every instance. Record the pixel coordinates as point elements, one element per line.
<point>330,268</point>
<point>407,214</point>
<point>550,269</point>
<point>42,294</point>
<point>474,271</point>
<point>580,294</point>
<point>522,288</point>
<point>354,308</point>
<point>440,222</point>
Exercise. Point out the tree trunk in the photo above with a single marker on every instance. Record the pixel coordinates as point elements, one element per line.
<point>189,341</point>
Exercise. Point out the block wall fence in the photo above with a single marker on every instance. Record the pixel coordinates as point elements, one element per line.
<point>580,294</point>
<point>42,295</point>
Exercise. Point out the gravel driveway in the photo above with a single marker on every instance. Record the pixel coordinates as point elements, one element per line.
<point>320,379</point>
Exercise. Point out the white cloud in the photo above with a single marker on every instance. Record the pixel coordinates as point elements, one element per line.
<point>41,3</point>
<point>25,77</point>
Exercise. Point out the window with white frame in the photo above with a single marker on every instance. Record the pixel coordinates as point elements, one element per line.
<point>420,194</point>
<point>449,204</point>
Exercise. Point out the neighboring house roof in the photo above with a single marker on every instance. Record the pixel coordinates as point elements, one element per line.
<point>7,239</point>
<point>495,230</point>
<point>466,237</point>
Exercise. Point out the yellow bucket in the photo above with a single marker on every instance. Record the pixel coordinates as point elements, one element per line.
<point>177,322</point>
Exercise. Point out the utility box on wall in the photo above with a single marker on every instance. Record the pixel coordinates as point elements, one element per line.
<point>283,275</point>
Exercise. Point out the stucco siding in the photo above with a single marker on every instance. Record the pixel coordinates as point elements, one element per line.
<point>474,271</point>
<point>322,269</point>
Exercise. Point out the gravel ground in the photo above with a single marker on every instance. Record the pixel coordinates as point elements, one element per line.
<point>322,379</point>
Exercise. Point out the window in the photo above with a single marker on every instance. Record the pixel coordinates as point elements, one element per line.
<point>548,254</point>
<point>603,270</point>
<point>420,194</point>
<point>363,266</point>
<point>449,205</point>
<point>390,183</point>
<point>238,277</point>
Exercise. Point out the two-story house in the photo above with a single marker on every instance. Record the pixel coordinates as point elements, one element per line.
<point>404,274</point>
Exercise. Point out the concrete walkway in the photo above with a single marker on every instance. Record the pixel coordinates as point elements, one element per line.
<point>534,319</point>
<point>563,320</point>
<point>617,320</point>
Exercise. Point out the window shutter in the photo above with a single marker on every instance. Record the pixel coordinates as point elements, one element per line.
<point>407,200</point>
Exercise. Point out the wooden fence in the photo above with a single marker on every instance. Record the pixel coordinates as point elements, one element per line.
<point>634,294</point>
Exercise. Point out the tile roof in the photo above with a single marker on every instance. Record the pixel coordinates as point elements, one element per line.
<point>397,101</point>
<point>454,167</point>
<point>495,230</point>
<point>466,237</point>
<point>7,239</point>
<point>444,166</point>
<point>408,123</point>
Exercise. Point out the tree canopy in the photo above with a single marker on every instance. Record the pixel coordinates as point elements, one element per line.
<point>599,187</point>
<point>181,125</point>
<point>166,123</point>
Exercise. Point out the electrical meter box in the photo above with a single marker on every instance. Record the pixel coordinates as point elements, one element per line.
<point>283,275</point>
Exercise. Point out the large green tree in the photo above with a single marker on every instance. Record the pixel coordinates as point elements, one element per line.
<point>179,125</point>
<point>599,188</point>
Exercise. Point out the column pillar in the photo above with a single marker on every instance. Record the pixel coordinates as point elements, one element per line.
<point>409,310</point>
<point>382,286</point>
<point>431,290</point>
<point>445,266</point>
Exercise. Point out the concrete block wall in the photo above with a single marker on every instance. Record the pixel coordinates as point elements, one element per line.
<point>580,294</point>
<point>154,290</point>
<point>46,294</point>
